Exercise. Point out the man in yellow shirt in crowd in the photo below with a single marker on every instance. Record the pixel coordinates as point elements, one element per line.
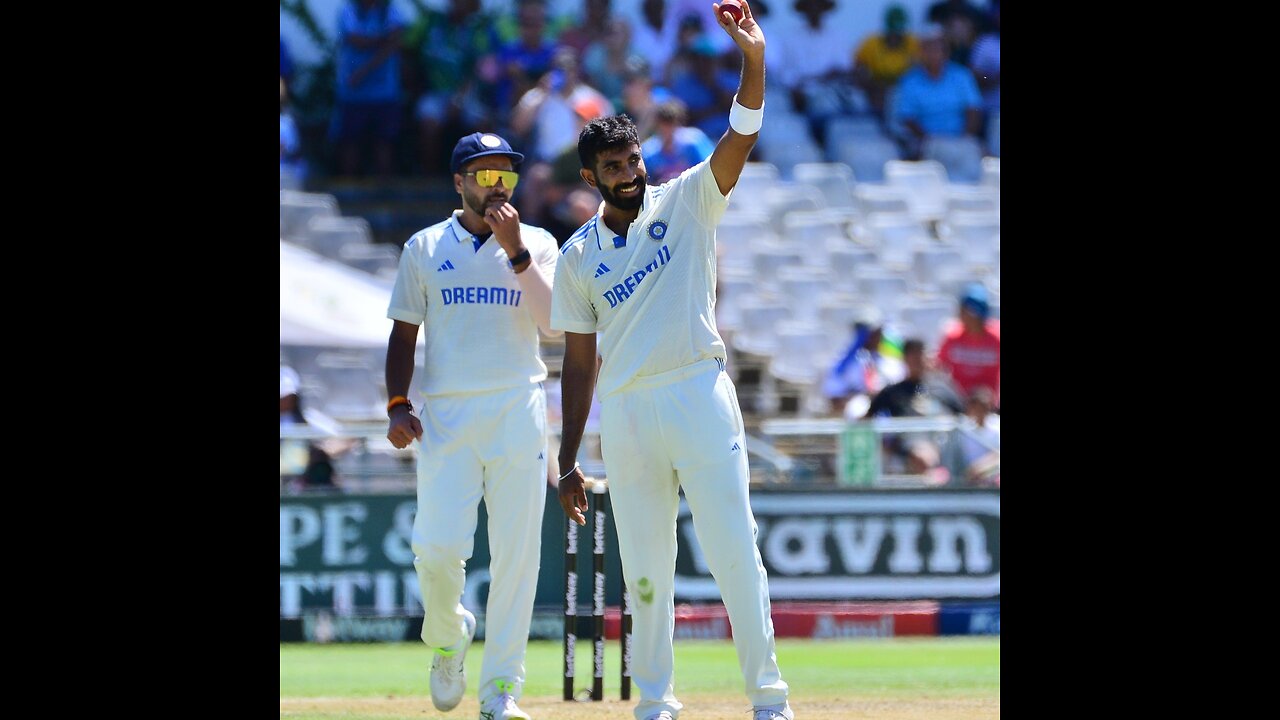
<point>882,58</point>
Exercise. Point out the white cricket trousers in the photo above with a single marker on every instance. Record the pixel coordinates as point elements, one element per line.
<point>684,428</point>
<point>491,445</point>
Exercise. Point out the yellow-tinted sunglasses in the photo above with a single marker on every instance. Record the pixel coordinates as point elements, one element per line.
<point>489,178</point>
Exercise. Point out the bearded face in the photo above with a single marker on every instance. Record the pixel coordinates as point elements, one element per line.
<point>621,177</point>
<point>478,198</point>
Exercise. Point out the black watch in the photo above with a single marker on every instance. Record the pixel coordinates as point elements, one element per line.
<point>520,257</point>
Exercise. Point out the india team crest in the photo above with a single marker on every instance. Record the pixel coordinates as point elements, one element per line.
<point>657,230</point>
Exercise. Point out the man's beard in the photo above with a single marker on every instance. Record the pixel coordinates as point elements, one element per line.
<point>629,202</point>
<point>481,203</point>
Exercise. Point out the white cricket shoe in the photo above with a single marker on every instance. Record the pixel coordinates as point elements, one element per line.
<point>502,707</point>
<point>664,715</point>
<point>448,674</point>
<point>771,714</point>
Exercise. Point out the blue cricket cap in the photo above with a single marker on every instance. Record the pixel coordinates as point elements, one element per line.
<point>975,298</point>
<point>480,144</point>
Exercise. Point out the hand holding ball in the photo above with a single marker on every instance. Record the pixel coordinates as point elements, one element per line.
<point>734,8</point>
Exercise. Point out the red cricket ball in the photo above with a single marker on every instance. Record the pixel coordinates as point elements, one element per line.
<point>733,7</point>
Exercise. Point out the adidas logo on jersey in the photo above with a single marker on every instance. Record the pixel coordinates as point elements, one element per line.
<point>448,265</point>
<point>602,269</point>
<point>734,449</point>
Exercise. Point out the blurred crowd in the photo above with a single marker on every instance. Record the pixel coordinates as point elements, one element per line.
<point>884,375</point>
<point>406,87</point>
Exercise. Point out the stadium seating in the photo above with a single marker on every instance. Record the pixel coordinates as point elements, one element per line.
<point>352,381</point>
<point>298,208</point>
<point>873,198</point>
<point>784,198</point>
<point>896,237</point>
<point>328,235</point>
<point>975,235</point>
<point>881,289</point>
<point>866,155</point>
<point>924,181</point>
<point>756,179</point>
<point>925,319</point>
<point>834,180</point>
<point>803,288</point>
<point>936,267</point>
<point>377,258</point>
<point>993,133</point>
<point>972,198</point>
<point>991,172</point>
<point>961,156</point>
<point>861,126</point>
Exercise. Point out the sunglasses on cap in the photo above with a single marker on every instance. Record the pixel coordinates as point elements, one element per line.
<point>489,178</point>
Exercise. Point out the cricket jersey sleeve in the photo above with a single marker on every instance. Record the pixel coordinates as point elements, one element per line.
<point>546,254</point>
<point>701,193</point>
<point>571,309</point>
<point>409,294</point>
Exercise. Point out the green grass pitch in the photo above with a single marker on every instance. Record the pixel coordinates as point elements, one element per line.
<point>891,679</point>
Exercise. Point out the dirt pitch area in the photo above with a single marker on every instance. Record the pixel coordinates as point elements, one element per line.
<point>697,707</point>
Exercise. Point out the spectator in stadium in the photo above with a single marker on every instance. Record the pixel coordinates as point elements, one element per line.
<point>943,11</point>
<point>704,86</point>
<point>883,58</point>
<point>698,15</point>
<point>369,42</point>
<point>606,59</point>
<point>641,97</point>
<point>815,65</point>
<point>970,351</point>
<point>674,147</point>
<point>549,116</point>
<point>654,37</point>
<point>286,63</point>
<point>936,98</point>
<point>292,165</point>
<point>985,63</point>
<point>455,75</point>
<point>304,465</point>
<point>972,455</point>
<point>527,59</point>
<point>962,23</point>
<point>920,394</point>
<point>547,120</point>
<point>596,20</point>
<point>872,361</point>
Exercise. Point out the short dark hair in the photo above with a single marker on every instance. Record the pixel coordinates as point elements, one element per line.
<point>914,345</point>
<point>605,133</point>
<point>672,110</point>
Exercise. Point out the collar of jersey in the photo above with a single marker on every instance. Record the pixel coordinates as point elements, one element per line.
<point>620,241</point>
<point>460,233</point>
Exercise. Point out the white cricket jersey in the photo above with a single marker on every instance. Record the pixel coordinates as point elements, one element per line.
<point>480,335</point>
<point>651,295</point>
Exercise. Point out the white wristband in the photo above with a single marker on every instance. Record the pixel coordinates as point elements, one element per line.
<point>575,467</point>
<point>745,121</point>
